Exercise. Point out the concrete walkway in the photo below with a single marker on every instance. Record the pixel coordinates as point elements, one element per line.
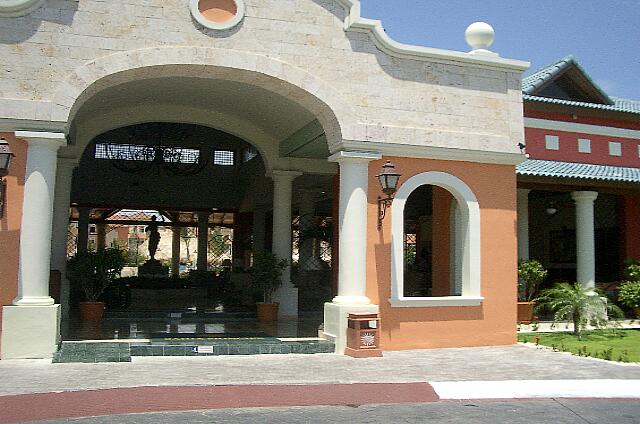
<point>563,326</point>
<point>504,363</point>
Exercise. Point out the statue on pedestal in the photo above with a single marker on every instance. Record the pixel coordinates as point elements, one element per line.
<point>153,267</point>
<point>154,237</point>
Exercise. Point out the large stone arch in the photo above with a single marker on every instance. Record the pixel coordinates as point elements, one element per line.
<point>279,77</point>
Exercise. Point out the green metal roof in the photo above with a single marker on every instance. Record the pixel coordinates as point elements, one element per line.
<point>620,105</point>
<point>585,171</point>
<point>534,82</point>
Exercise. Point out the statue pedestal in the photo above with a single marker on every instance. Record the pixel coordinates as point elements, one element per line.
<point>153,268</point>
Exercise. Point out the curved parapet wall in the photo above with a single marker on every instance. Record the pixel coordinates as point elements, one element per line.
<point>355,22</point>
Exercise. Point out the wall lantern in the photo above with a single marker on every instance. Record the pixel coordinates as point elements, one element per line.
<point>551,209</point>
<point>388,178</point>
<point>5,161</point>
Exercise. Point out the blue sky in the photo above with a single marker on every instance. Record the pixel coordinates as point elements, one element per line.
<point>604,35</point>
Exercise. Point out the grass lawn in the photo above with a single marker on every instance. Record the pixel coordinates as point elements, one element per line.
<point>610,344</point>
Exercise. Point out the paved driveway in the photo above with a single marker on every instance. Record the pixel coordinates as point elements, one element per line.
<point>517,362</point>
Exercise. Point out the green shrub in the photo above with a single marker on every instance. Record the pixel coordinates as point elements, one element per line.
<point>530,276</point>
<point>629,294</point>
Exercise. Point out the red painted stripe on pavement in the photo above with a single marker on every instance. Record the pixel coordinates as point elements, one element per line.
<point>47,406</point>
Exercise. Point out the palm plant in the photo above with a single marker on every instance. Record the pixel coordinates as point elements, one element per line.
<point>576,303</point>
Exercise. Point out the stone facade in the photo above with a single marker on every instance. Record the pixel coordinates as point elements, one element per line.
<point>58,51</point>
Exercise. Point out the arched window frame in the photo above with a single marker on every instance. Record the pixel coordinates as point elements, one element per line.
<point>469,223</point>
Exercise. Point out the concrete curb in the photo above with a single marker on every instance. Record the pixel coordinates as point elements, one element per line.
<point>529,389</point>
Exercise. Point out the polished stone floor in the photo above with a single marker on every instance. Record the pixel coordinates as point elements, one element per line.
<point>187,323</point>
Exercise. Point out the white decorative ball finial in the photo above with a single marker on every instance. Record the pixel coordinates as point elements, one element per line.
<point>479,36</point>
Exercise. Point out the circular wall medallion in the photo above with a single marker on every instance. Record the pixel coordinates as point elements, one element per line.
<point>218,14</point>
<point>13,8</point>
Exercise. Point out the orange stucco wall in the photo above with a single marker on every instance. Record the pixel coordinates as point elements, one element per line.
<point>10,222</point>
<point>493,322</point>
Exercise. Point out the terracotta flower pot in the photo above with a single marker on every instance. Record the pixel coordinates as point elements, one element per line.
<point>91,311</point>
<point>525,312</point>
<point>267,311</point>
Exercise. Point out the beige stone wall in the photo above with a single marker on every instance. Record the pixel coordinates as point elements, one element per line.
<point>390,99</point>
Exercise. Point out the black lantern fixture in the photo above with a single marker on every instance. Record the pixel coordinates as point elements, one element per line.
<point>6,155</point>
<point>388,178</point>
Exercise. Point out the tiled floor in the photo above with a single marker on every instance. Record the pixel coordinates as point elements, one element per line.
<point>187,323</point>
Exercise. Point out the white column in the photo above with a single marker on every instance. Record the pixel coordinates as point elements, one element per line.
<point>352,249</point>
<point>287,294</point>
<point>203,241</point>
<point>60,233</point>
<point>354,184</point>
<point>37,217</point>
<point>175,251</point>
<point>585,237</point>
<point>523,224</point>
<point>259,228</point>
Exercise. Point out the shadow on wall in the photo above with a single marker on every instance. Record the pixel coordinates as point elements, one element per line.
<point>57,12</point>
<point>333,7</point>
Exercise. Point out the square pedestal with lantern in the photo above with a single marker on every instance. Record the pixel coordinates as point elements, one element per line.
<point>363,336</point>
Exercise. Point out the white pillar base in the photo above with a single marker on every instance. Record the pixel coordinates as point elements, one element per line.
<point>30,332</point>
<point>34,301</point>
<point>351,300</point>
<point>335,321</point>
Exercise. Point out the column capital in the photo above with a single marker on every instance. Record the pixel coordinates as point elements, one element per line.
<point>284,175</point>
<point>524,191</point>
<point>54,140</point>
<point>354,156</point>
<point>584,195</point>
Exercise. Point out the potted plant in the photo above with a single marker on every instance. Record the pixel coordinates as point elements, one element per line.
<point>531,273</point>
<point>576,303</point>
<point>266,277</point>
<point>93,272</point>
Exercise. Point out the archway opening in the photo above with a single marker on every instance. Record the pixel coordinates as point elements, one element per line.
<point>432,252</point>
<point>182,146</point>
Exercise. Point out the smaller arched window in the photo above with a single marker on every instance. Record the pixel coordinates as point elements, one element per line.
<point>435,243</point>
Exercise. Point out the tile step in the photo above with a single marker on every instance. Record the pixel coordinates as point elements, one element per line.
<point>122,351</point>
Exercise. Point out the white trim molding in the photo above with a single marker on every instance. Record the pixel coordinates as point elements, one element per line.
<point>546,124</point>
<point>435,152</point>
<point>470,249</point>
<point>355,22</point>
